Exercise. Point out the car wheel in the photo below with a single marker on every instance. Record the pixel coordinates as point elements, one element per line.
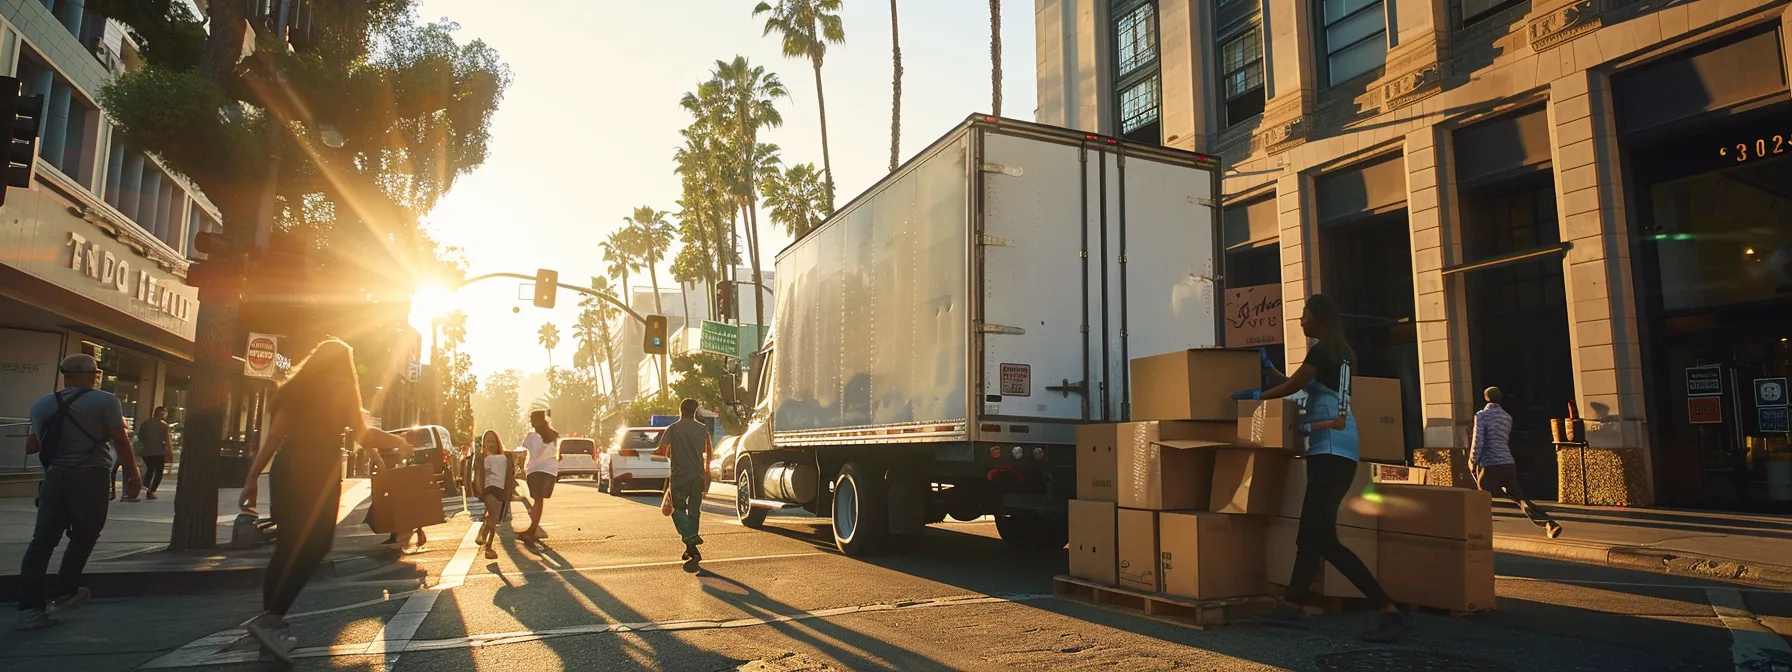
<point>861,514</point>
<point>744,510</point>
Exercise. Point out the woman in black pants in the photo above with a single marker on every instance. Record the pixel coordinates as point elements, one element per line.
<point>1331,458</point>
<point>311,410</point>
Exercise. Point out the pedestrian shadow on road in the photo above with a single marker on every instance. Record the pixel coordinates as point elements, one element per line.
<point>856,650</point>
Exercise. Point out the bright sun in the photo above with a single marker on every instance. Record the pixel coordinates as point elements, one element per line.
<point>428,304</point>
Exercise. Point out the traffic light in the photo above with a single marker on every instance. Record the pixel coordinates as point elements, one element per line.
<point>24,117</point>
<point>220,274</point>
<point>547,282</point>
<point>725,300</point>
<point>654,342</point>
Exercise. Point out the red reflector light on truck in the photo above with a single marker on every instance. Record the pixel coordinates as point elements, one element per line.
<point>995,452</point>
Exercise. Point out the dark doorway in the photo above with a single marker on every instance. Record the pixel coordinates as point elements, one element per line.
<point>1367,270</point>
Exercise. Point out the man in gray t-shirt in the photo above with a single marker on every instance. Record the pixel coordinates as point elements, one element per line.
<point>686,442</point>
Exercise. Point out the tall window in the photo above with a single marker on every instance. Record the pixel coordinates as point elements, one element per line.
<point>1136,69</point>
<point>1356,38</point>
<point>1241,74</point>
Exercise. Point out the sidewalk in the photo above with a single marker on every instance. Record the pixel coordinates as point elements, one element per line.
<point>1706,544</point>
<point>132,557</point>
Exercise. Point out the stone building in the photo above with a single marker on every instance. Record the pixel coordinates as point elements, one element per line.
<point>1586,203</point>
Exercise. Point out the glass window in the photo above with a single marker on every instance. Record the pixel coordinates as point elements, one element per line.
<point>1241,75</point>
<point>1136,39</point>
<point>1355,38</point>
<point>1138,105</point>
<point>1724,237</point>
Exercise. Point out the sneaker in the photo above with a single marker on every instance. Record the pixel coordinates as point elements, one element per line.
<point>151,495</point>
<point>35,619</point>
<point>69,603</point>
<point>1393,626</point>
<point>130,498</point>
<point>277,640</point>
<point>1283,616</point>
<point>1553,529</point>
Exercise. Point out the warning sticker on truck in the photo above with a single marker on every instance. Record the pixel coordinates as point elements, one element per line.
<point>1017,380</point>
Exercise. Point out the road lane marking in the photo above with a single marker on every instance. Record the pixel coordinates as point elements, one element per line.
<point>638,565</point>
<point>1753,645</point>
<point>398,631</point>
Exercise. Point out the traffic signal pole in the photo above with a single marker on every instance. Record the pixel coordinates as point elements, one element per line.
<point>582,290</point>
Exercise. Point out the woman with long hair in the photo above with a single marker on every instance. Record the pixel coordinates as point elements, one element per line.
<point>543,469</point>
<point>310,411</point>
<point>1331,459</point>
<point>494,488</point>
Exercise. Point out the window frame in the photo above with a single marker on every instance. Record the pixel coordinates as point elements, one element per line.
<point>1146,71</point>
<point>1226,36</point>
<point>1327,50</point>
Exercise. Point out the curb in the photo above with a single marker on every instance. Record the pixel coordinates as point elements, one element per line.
<point>1643,558</point>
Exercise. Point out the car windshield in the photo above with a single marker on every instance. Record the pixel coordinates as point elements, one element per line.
<point>418,437</point>
<point>642,438</point>
<point>577,446</point>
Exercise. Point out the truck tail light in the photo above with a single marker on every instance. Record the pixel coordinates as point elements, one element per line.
<point>627,452</point>
<point>995,452</point>
<point>1038,453</point>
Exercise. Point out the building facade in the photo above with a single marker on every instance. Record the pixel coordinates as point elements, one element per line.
<point>1587,203</point>
<point>93,255</point>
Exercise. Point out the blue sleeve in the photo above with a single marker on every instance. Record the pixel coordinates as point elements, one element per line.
<point>112,412</point>
<point>1474,443</point>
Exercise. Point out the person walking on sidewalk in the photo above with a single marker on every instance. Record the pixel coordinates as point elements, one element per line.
<point>309,411</point>
<point>494,489</point>
<point>687,444</point>
<point>158,441</point>
<point>74,433</point>
<point>542,469</point>
<point>1490,453</point>
<point>1331,458</point>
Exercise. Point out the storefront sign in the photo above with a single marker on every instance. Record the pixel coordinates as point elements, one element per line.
<point>1704,380</point>
<point>260,355</point>
<point>1705,410</point>
<point>1254,316</point>
<point>114,273</point>
<point>1775,420</point>
<point>1770,391</point>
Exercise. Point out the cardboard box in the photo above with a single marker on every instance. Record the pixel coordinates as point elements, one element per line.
<point>1432,572</point>
<point>1380,419</point>
<point>1279,548</point>
<point>1168,465</point>
<point>1092,537</point>
<point>1248,481</point>
<point>1354,512</point>
<point>1269,424</point>
<point>1137,546</point>
<point>1211,555</point>
<point>1434,511</point>
<point>1399,473</point>
<point>1097,462</point>
<point>1193,384</point>
<point>405,499</point>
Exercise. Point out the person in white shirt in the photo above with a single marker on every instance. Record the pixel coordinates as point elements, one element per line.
<point>542,469</point>
<point>494,489</point>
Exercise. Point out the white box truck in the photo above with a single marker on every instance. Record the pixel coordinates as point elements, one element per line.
<point>938,339</point>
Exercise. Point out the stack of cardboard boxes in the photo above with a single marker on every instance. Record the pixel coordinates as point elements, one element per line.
<point>1199,496</point>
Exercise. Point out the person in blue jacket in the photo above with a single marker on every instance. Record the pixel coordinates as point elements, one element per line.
<point>1331,456</point>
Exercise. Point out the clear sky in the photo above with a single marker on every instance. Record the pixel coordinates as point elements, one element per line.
<point>587,130</point>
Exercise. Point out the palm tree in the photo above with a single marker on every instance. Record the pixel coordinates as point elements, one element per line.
<point>736,103</point>
<point>895,90</point>
<point>995,57</point>
<point>650,236</point>
<point>454,329</point>
<point>549,338</point>
<point>586,332</point>
<point>808,27</point>
<point>619,256</point>
<point>797,199</point>
<point>605,312</point>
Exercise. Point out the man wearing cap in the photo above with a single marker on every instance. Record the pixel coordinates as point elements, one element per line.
<point>77,433</point>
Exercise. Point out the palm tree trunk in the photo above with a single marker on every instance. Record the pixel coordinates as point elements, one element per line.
<point>895,91</point>
<point>758,276</point>
<point>827,165</point>
<point>995,57</point>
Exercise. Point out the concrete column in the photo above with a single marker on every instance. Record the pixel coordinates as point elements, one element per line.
<point>1413,22</point>
<point>114,168</point>
<point>1444,450</point>
<point>165,211</point>
<point>1296,272</point>
<point>1073,67</point>
<point>130,185</point>
<point>54,138</point>
<point>1187,99</point>
<point>1290,71</point>
<point>72,14</point>
<point>1608,378</point>
<point>149,199</point>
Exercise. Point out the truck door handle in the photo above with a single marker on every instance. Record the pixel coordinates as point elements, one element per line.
<point>1080,387</point>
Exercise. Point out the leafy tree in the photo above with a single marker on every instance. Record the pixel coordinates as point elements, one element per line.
<point>498,407</point>
<point>640,412</point>
<point>797,199</point>
<point>461,387</point>
<point>702,376</point>
<point>360,127</point>
<point>576,401</point>
<point>808,27</point>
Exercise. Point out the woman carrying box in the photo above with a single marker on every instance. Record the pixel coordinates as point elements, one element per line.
<point>1331,457</point>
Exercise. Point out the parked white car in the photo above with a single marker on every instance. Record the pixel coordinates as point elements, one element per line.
<point>628,461</point>
<point>578,457</point>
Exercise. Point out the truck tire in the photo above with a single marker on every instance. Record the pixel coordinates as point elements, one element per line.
<point>748,516</point>
<point>1034,530</point>
<point>861,517</point>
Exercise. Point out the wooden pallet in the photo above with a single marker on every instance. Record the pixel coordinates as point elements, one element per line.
<point>1187,611</point>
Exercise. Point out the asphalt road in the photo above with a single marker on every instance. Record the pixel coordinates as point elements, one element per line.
<point>605,592</point>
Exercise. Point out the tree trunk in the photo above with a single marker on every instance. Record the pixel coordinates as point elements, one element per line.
<point>827,166</point>
<point>758,277</point>
<point>224,46</point>
<point>895,91</point>
<point>995,57</point>
<point>214,376</point>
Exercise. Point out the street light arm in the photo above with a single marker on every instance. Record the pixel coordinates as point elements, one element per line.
<point>582,290</point>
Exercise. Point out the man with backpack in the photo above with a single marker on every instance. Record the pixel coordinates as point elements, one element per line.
<point>77,433</point>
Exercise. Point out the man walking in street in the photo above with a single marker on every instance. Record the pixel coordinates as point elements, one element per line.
<point>70,432</point>
<point>686,442</point>
<point>158,442</point>
<point>1490,453</point>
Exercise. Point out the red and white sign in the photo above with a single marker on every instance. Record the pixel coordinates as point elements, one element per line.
<point>259,356</point>
<point>1705,410</point>
<point>1017,380</point>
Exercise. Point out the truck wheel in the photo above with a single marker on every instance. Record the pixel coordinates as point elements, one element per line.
<point>1034,530</point>
<point>861,518</point>
<point>743,497</point>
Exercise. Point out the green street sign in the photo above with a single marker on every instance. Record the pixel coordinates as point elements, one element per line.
<point>720,339</point>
